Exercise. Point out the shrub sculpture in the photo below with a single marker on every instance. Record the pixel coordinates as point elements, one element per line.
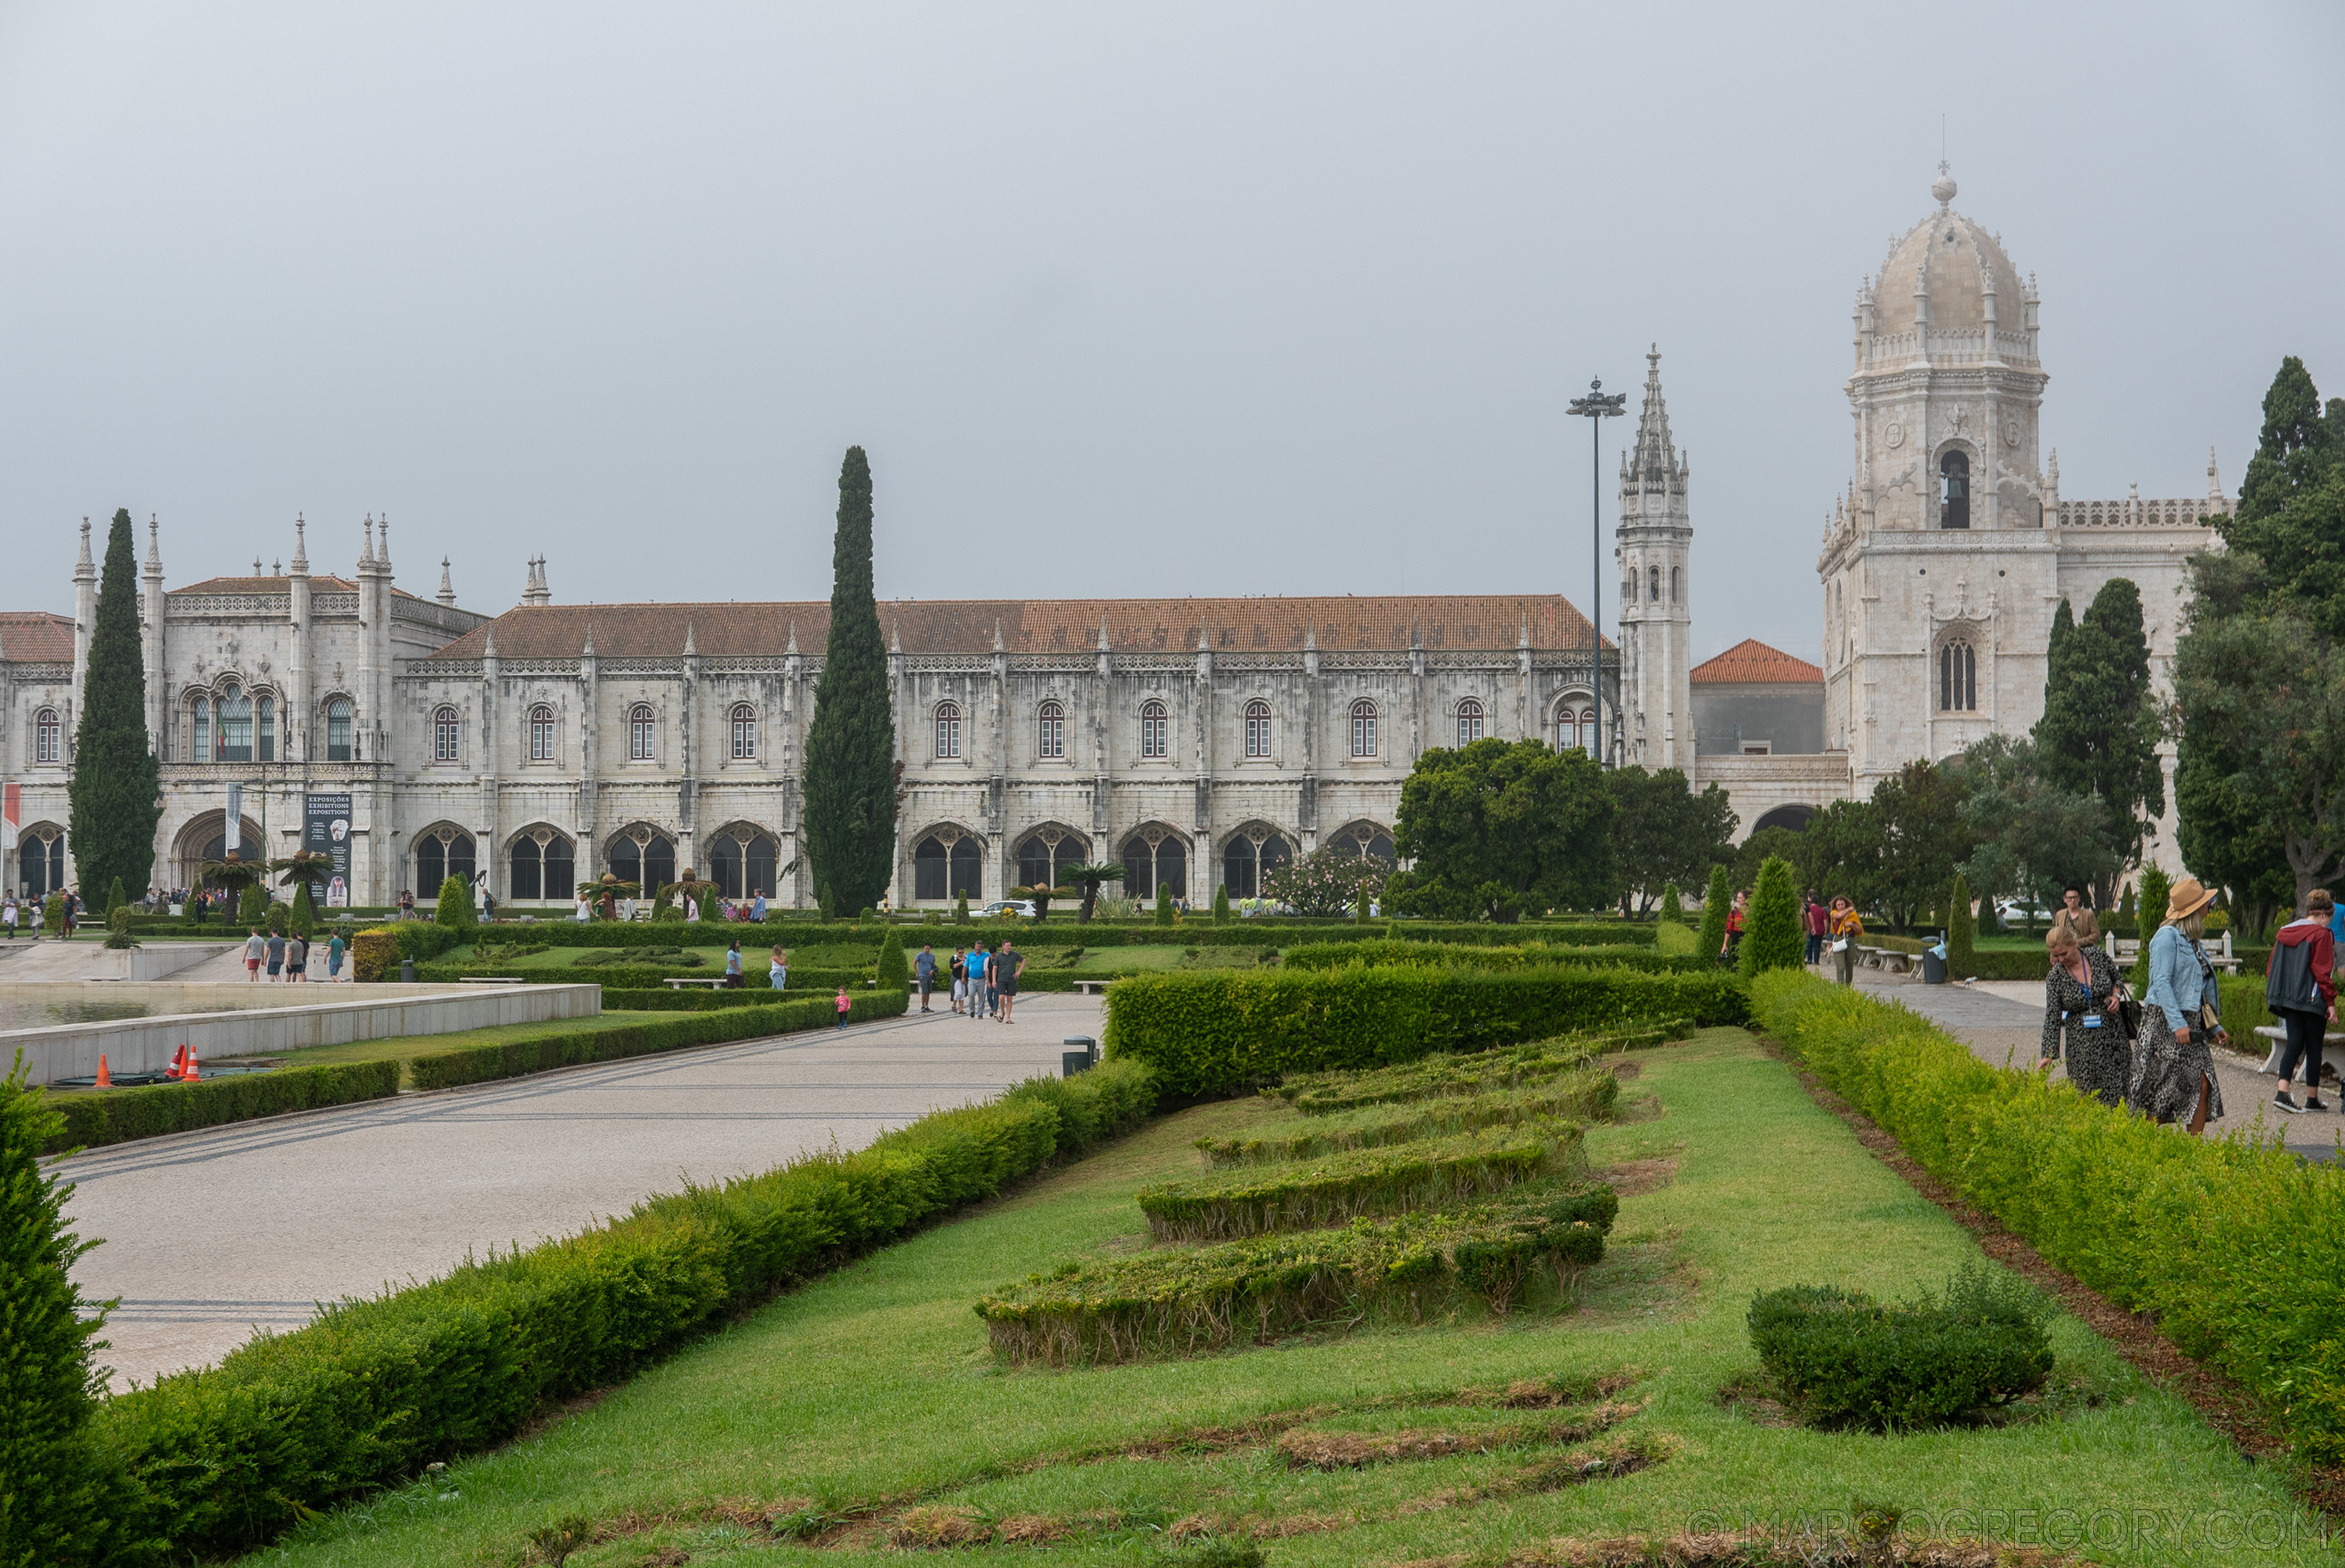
<point>1222,905</point>
<point>1673,907</point>
<point>1164,903</point>
<point>1711,938</point>
<point>892,970</point>
<point>1840,1358</point>
<point>1773,937</point>
<point>453,908</point>
<point>1583,1095</point>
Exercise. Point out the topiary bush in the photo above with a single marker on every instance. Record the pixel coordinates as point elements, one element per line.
<point>454,910</point>
<point>1673,907</point>
<point>1715,903</point>
<point>1773,937</point>
<point>303,919</point>
<point>1962,932</point>
<point>1221,906</point>
<point>252,907</point>
<point>2155,891</point>
<point>1842,1359</point>
<point>1163,904</point>
<point>892,970</point>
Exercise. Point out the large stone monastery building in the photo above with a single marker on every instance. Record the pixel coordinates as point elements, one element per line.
<point>1201,742</point>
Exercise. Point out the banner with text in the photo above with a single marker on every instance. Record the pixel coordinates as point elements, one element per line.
<point>325,829</point>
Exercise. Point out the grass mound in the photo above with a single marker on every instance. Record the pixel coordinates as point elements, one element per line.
<point>1317,1448</point>
<point>1185,1302</point>
<point>1587,1094</point>
<point>1480,1073</point>
<point>1339,1187</point>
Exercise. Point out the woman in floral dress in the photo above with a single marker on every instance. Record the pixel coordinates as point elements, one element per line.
<point>2080,999</point>
<point>2174,1070</point>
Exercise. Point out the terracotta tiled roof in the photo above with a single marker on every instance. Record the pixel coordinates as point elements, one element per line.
<point>1451,622</point>
<point>318,583</point>
<point>1750,660</point>
<point>36,637</point>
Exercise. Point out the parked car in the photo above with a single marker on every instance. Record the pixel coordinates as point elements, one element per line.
<point>993,910</point>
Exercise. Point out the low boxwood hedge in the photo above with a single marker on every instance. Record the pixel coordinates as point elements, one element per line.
<point>1058,932</point>
<point>2237,1247</point>
<point>1380,952</point>
<point>223,1460</point>
<point>117,1115</point>
<point>1447,1075</point>
<point>1586,1095</point>
<point>1841,1359</point>
<point>1222,1032</point>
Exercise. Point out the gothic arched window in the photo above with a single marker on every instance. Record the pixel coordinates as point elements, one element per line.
<point>948,731</point>
<point>743,726</point>
<point>265,728</point>
<point>544,865</point>
<point>1958,678</point>
<point>1653,584</point>
<point>1044,857</point>
<point>236,726</point>
<point>1247,863</point>
<point>1363,728</point>
<point>444,734</point>
<point>644,856</point>
<point>640,733</point>
<point>1676,584</point>
<point>741,863</point>
<point>1257,729</point>
<point>1050,731</point>
<point>541,734</point>
<point>948,864</point>
<point>1954,491</point>
<point>200,714</point>
<point>337,729</point>
<point>1153,863</point>
<point>442,853</point>
<point>1469,722</point>
<point>1155,731</point>
<point>48,737</point>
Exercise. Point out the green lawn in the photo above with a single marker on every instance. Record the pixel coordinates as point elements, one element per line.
<point>875,1385</point>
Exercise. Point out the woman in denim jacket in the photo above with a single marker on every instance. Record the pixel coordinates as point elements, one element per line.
<point>2174,1069</point>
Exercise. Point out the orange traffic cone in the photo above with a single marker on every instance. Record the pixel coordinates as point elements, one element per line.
<point>178,1064</point>
<point>105,1079</point>
<point>193,1074</point>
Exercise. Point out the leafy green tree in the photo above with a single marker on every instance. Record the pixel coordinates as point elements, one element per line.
<point>1847,852</point>
<point>1085,879</point>
<point>116,782</point>
<point>1324,884</point>
<point>1666,832</point>
<point>59,1502</point>
<point>1673,907</point>
<point>304,916</point>
<point>851,779</point>
<point>2030,837</point>
<point>2226,834</point>
<point>252,906</point>
<point>893,971</point>
<point>115,900</point>
<point>1711,938</point>
<point>1962,932</point>
<point>2291,504</point>
<point>1924,834</point>
<point>1497,828</point>
<point>2100,727</point>
<point>1786,844</point>
<point>1773,937</point>
<point>454,909</point>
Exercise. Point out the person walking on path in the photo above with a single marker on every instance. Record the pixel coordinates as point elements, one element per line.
<point>1007,964</point>
<point>846,1005</point>
<point>2301,990</point>
<point>980,1006</point>
<point>8,916</point>
<point>2181,1019</point>
<point>1819,920</point>
<point>333,957</point>
<point>924,971</point>
<point>2080,998</point>
<point>296,960</point>
<point>960,979</point>
<point>1734,927</point>
<point>1844,930</point>
<point>276,948</point>
<point>256,951</point>
<point>2077,914</point>
<point>778,971</point>
<point>733,980</point>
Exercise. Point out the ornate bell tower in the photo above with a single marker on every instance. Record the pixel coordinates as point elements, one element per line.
<point>1652,541</point>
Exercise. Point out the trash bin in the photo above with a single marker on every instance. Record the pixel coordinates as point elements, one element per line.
<point>1933,966</point>
<point>1081,1054</point>
<point>408,971</point>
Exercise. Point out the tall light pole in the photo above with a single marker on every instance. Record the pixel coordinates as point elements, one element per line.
<point>1596,407</point>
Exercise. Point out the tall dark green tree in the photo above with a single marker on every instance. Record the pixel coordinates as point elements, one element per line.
<point>1666,832</point>
<point>1772,935</point>
<point>1496,829</point>
<point>851,748</point>
<point>114,792</point>
<point>1924,835</point>
<point>2100,727</point>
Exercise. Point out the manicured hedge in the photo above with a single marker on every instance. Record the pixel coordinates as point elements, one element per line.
<point>1059,932</point>
<point>481,1064</point>
<point>375,952</point>
<point>647,977</point>
<point>223,1460</point>
<point>2237,1247</point>
<point>1338,1187</point>
<point>117,1115</point>
<point>1376,953</point>
<point>1209,1033</point>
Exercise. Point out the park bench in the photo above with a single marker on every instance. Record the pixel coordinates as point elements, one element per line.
<point>1090,988</point>
<point>2126,949</point>
<point>491,981</point>
<point>678,983</point>
<point>1889,960</point>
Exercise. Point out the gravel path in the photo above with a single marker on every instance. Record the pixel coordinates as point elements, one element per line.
<point>210,1235</point>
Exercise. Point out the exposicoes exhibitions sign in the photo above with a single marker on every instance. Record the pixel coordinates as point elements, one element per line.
<point>325,829</point>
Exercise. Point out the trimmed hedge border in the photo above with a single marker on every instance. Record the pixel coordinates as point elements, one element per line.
<point>519,1058</point>
<point>1342,1185</point>
<point>1196,932</point>
<point>2237,1248</point>
<point>1208,1034</point>
<point>1379,952</point>
<point>223,1460</point>
<point>120,1116</point>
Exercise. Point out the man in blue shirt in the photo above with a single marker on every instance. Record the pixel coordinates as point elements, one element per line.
<point>979,1003</point>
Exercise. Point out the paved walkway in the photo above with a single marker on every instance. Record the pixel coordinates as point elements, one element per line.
<point>210,1234</point>
<point>2002,1020</point>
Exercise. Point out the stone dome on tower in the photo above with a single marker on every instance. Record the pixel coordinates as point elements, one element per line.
<point>1952,274</point>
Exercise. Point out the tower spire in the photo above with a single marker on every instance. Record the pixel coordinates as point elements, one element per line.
<point>447,594</point>
<point>300,546</point>
<point>154,547</point>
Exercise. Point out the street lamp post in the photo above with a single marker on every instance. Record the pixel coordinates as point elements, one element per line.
<point>1596,407</point>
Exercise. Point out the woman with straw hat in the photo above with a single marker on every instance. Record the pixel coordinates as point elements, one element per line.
<point>2174,1069</point>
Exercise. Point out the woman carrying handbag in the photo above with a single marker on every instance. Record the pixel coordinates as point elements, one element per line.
<point>2084,1011</point>
<point>2174,1068</point>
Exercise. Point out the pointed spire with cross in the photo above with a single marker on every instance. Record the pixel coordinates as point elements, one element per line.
<point>301,545</point>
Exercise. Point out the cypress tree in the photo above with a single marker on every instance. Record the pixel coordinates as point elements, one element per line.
<point>1221,906</point>
<point>851,748</point>
<point>1961,934</point>
<point>1772,938</point>
<point>1164,903</point>
<point>1715,903</point>
<point>115,900</point>
<point>115,781</point>
<point>453,909</point>
<point>252,908</point>
<point>305,920</point>
<point>2151,914</point>
<point>891,971</point>
<point>1672,907</point>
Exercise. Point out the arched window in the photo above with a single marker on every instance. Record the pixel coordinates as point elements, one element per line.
<point>541,734</point>
<point>444,733</point>
<point>1954,491</point>
<point>948,731</point>
<point>1249,859</point>
<point>1050,741</point>
<point>338,729</point>
<point>1155,731</point>
<point>742,862</point>
<point>442,853</point>
<point>1363,728</point>
<point>744,733</point>
<point>1676,584</point>
<point>1653,584</point>
<point>1366,840</point>
<point>1150,863</point>
<point>947,865</point>
<point>48,737</point>
<point>1043,857</point>
<point>644,857</point>
<point>1257,729</point>
<point>1575,726</point>
<point>265,728</point>
<point>1958,678</point>
<point>1469,722</point>
<point>544,866</point>
<point>236,726</point>
<point>40,861</point>
<point>640,733</point>
<point>199,716</point>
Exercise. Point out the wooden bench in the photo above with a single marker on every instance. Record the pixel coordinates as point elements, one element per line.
<point>492,980</point>
<point>678,983</point>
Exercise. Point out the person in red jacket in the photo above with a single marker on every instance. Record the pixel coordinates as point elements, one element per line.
<point>2301,990</point>
<point>1819,920</point>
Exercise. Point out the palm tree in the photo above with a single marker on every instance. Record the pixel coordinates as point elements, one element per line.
<point>1086,879</point>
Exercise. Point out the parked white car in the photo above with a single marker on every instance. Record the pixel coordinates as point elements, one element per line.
<point>994,911</point>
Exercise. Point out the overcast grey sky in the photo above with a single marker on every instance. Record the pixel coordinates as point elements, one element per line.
<point>1123,301</point>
